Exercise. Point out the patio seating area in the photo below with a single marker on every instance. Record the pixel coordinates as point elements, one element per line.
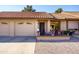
<point>71,35</point>
<point>61,33</point>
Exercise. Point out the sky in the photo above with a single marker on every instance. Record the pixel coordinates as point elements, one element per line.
<point>40,8</point>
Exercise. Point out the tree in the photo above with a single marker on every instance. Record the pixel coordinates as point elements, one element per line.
<point>59,10</point>
<point>28,8</point>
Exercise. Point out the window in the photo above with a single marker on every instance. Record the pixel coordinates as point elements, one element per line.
<point>4,23</point>
<point>20,23</point>
<point>28,23</point>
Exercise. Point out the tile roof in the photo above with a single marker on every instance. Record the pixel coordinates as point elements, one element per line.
<point>75,14</point>
<point>63,15</point>
<point>25,15</point>
<point>66,15</point>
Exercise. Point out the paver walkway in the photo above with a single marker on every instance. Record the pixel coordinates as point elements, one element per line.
<point>57,48</point>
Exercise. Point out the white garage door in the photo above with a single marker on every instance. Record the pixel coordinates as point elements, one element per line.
<point>4,28</point>
<point>24,28</point>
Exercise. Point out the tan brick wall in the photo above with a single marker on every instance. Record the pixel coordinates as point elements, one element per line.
<point>53,38</point>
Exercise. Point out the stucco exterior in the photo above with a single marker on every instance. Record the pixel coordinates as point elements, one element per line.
<point>63,25</point>
<point>27,23</point>
<point>28,27</point>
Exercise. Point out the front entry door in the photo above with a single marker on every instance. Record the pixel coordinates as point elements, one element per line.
<point>42,28</point>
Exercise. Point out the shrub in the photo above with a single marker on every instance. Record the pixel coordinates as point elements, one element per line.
<point>66,32</point>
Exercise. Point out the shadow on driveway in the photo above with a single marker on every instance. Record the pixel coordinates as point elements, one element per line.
<point>32,39</point>
<point>17,39</point>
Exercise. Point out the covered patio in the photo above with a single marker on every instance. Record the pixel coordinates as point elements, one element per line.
<point>62,24</point>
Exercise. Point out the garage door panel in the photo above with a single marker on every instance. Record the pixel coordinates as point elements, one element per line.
<point>24,29</point>
<point>4,28</point>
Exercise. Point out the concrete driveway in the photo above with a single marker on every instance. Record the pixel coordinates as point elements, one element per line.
<point>18,44</point>
<point>22,48</point>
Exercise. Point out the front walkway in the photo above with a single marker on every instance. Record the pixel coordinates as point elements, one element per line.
<point>57,48</point>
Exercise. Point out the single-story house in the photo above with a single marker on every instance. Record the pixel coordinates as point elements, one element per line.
<point>27,23</point>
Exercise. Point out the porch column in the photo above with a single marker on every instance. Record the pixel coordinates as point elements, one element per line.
<point>48,26</point>
<point>66,25</point>
<point>78,25</point>
<point>36,27</point>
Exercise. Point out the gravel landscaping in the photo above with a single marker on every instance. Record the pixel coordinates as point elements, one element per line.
<point>57,48</point>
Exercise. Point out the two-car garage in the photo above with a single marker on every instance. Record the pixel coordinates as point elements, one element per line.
<point>22,23</point>
<point>17,28</point>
